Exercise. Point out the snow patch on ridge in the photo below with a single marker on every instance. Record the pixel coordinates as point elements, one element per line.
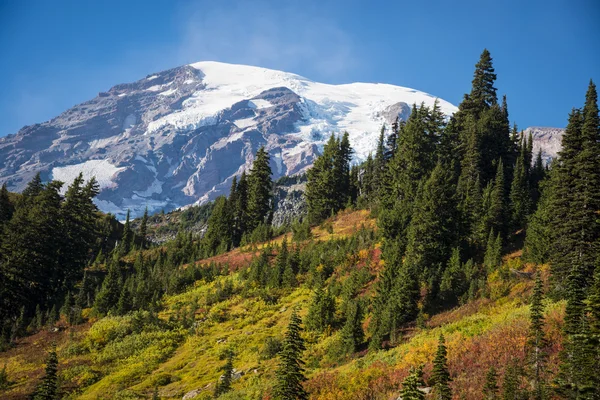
<point>103,170</point>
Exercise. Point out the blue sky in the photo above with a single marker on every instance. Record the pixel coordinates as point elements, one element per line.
<point>56,54</point>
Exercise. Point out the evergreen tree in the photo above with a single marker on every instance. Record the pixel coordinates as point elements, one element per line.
<point>67,308</point>
<point>124,304</point>
<point>493,212</point>
<point>328,187</point>
<point>483,93</point>
<point>48,388</point>
<point>440,375</point>
<point>226,379</point>
<point>280,265</point>
<point>490,389</point>
<point>539,239</point>
<point>536,343</point>
<point>519,192</point>
<point>411,385</point>
<point>454,280</point>
<point>34,188</point>
<point>144,229</point>
<point>259,191</point>
<point>431,234</point>
<point>4,381</point>
<point>321,311</point>
<point>127,237</point>
<point>352,332</point>
<point>219,234</point>
<point>341,171</point>
<point>240,213</point>
<point>39,318</point>
<point>493,252</point>
<point>108,295</point>
<point>32,269</point>
<point>290,373</point>
<point>511,389</point>
<point>576,224</point>
<point>6,207</point>
<point>380,155</point>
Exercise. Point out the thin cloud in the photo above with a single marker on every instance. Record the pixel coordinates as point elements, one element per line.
<point>291,38</point>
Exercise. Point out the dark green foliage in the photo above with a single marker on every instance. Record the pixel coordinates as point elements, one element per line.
<point>4,381</point>
<point>412,384</point>
<point>511,385</point>
<point>328,187</point>
<point>108,296</point>
<point>144,229</point>
<point>301,231</point>
<point>352,332</point>
<point>483,92</point>
<point>224,384</point>
<point>48,387</point>
<point>127,237</point>
<point>271,347</point>
<point>321,311</point>
<point>520,200</point>
<point>576,225</point>
<point>219,235</point>
<point>259,191</point>
<point>67,309</point>
<point>290,372</point>
<point>536,343</point>
<point>491,389</point>
<point>432,231</point>
<point>493,252</point>
<point>6,207</point>
<point>539,239</point>
<point>440,377</point>
<point>454,281</point>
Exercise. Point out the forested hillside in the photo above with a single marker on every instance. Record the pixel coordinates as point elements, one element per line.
<point>451,264</point>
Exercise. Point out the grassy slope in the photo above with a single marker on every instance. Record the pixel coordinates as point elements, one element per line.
<point>479,334</point>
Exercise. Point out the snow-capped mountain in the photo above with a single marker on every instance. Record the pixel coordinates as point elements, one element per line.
<point>179,136</point>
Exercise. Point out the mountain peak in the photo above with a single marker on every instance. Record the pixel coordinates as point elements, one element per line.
<point>179,136</point>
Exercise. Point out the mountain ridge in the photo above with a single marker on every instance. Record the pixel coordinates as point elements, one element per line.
<point>177,137</point>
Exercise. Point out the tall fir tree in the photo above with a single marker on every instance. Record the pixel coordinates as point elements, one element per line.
<point>6,207</point>
<point>110,291</point>
<point>491,389</point>
<point>537,343</point>
<point>219,234</point>
<point>260,191</point>
<point>225,381</point>
<point>240,209</point>
<point>539,238</point>
<point>352,332</point>
<point>440,377</point>
<point>577,198</point>
<point>144,229</point>
<point>519,191</point>
<point>290,371</point>
<point>411,385</point>
<point>48,388</point>
<point>321,311</point>
<point>127,237</point>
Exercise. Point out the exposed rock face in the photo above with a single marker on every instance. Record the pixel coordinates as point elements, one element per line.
<point>546,139</point>
<point>290,204</point>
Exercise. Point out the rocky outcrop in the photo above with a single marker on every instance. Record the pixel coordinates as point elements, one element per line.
<point>546,139</point>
